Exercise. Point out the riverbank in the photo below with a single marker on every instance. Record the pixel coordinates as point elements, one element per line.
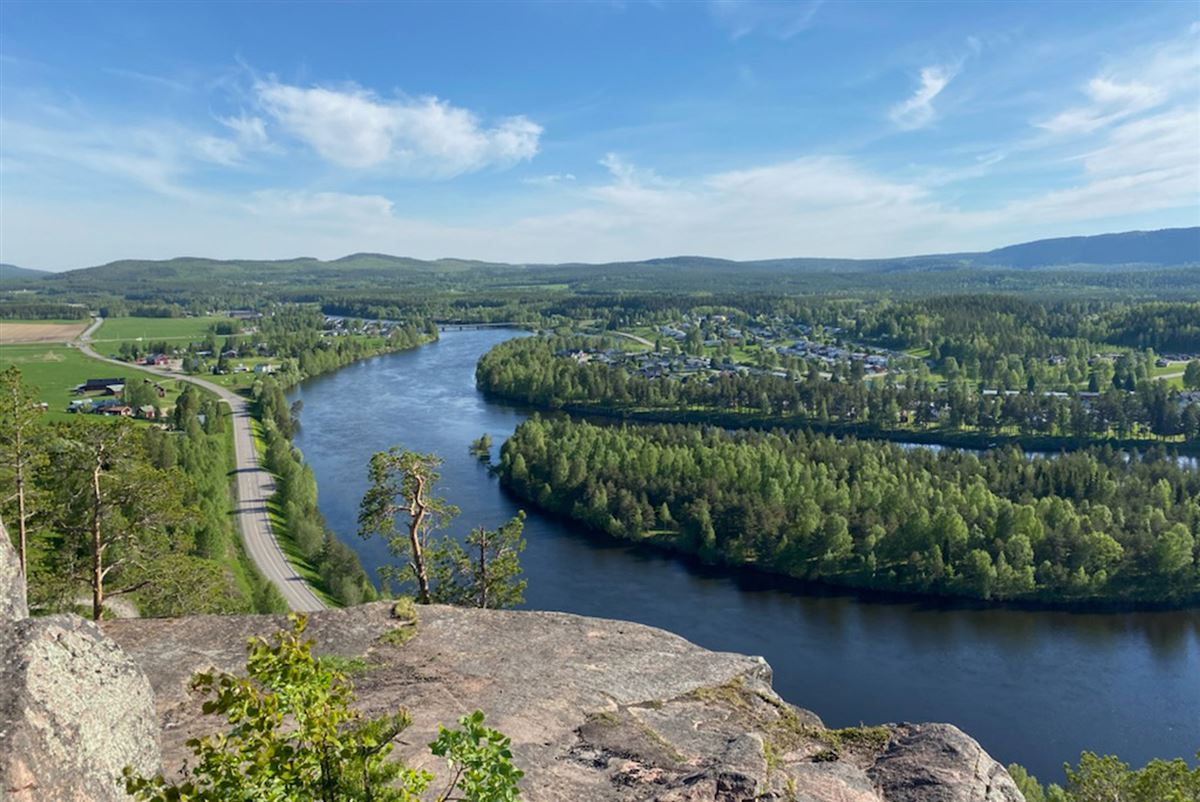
<point>1071,531</point>
<point>325,564</point>
<point>977,441</point>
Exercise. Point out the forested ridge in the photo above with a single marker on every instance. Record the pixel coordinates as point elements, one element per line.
<point>1096,526</point>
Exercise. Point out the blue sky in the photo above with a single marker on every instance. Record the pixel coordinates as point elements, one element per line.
<point>589,131</point>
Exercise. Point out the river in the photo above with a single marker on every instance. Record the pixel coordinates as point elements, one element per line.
<point>1034,687</point>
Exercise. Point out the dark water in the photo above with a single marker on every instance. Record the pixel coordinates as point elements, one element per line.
<point>1033,687</point>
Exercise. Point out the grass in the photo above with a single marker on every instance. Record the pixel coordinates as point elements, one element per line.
<point>122,329</point>
<point>55,370</point>
<point>245,380</point>
<point>348,666</point>
<point>405,612</point>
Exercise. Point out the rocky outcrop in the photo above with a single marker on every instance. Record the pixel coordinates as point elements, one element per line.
<point>939,763</point>
<point>74,709</point>
<point>12,583</point>
<point>597,710</point>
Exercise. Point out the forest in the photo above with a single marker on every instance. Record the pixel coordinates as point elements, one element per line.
<point>536,371</point>
<point>106,511</point>
<point>1094,526</point>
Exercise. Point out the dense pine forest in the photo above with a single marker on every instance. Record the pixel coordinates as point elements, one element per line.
<point>1090,526</point>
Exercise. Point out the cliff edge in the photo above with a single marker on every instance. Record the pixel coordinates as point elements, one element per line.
<point>596,709</point>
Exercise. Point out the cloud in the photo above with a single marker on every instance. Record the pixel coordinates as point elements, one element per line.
<point>1111,101</point>
<point>146,78</point>
<point>425,136</point>
<point>249,131</point>
<point>1149,78</point>
<point>249,136</point>
<point>780,20</point>
<point>553,179</point>
<point>918,111</point>
<point>147,157</point>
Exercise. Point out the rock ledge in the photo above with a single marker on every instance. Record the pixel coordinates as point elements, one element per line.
<point>597,710</point>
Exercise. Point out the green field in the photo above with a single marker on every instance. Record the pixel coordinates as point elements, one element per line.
<point>121,329</point>
<point>56,369</point>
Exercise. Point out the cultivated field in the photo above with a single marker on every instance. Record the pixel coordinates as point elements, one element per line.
<point>40,331</point>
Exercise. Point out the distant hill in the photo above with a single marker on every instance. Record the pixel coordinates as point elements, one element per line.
<point>1169,246</point>
<point>8,272</point>
<point>1148,261</point>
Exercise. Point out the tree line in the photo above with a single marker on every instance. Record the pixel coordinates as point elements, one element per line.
<point>532,370</point>
<point>338,566</point>
<point>1085,527</point>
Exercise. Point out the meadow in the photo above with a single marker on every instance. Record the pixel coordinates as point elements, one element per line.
<point>55,370</point>
<point>122,329</point>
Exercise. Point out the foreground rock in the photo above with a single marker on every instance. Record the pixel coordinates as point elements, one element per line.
<point>74,710</point>
<point>12,583</point>
<point>597,710</point>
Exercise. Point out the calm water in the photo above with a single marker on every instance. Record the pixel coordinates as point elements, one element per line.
<point>1033,687</point>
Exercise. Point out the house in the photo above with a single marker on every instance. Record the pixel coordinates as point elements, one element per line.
<point>264,367</point>
<point>117,409</point>
<point>148,412</point>
<point>96,385</point>
<point>80,405</point>
<point>157,360</point>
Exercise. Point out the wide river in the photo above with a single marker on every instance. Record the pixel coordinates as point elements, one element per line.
<point>1036,688</point>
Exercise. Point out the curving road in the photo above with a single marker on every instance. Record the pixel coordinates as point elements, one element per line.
<point>254,487</point>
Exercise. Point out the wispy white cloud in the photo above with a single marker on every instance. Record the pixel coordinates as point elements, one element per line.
<point>918,111</point>
<point>426,136</point>
<point>550,180</point>
<point>779,20</point>
<point>147,157</point>
<point>1110,101</point>
<point>148,79</point>
<point>249,136</point>
<point>1151,77</point>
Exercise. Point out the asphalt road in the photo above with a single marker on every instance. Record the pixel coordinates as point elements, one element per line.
<point>254,487</point>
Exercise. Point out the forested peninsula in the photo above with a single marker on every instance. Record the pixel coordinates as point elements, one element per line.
<point>1093,527</point>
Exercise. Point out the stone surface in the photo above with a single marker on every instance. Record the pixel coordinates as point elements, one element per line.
<point>597,710</point>
<point>940,763</point>
<point>12,583</point>
<point>74,711</point>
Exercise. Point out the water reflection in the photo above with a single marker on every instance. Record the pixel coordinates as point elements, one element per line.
<point>1032,687</point>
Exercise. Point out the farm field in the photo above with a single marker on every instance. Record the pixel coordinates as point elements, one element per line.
<point>122,329</point>
<point>55,370</point>
<point>40,331</point>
